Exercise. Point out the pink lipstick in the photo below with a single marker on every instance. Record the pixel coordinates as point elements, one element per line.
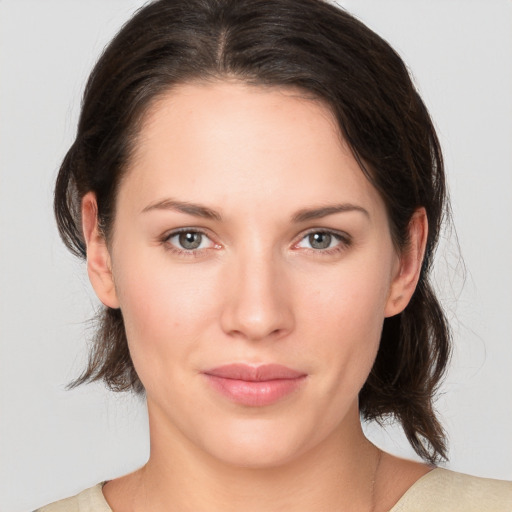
<point>255,386</point>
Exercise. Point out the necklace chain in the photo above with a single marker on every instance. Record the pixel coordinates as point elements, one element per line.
<point>377,465</point>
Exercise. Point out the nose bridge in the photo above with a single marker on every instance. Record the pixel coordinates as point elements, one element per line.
<point>258,305</point>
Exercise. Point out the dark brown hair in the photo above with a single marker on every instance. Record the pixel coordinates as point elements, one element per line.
<point>327,53</point>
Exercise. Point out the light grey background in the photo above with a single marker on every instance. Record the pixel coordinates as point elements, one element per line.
<point>53,442</point>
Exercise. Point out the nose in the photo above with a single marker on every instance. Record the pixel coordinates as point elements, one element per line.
<point>258,304</point>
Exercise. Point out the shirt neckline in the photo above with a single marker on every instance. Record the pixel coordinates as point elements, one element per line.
<point>98,489</point>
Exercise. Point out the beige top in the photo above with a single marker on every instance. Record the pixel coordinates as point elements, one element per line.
<point>440,490</point>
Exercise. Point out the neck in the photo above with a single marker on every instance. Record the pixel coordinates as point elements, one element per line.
<point>338,474</point>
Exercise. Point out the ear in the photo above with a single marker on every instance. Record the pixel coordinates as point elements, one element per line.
<point>407,275</point>
<point>99,265</point>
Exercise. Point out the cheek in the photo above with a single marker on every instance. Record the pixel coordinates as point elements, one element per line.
<point>344,318</point>
<point>349,299</point>
<point>165,308</point>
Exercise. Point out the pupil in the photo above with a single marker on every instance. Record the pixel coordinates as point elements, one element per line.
<point>190,240</point>
<point>320,240</point>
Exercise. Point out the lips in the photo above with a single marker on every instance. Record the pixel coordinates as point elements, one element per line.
<point>255,386</point>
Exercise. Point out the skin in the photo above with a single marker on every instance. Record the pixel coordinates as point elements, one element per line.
<point>255,291</point>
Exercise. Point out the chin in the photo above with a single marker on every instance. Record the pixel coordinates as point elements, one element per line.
<point>258,444</point>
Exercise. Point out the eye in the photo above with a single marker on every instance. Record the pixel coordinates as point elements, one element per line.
<point>189,240</point>
<point>320,240</point>
<point>323,241</point>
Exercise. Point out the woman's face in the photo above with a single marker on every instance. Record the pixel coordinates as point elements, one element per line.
<point>247,235</point>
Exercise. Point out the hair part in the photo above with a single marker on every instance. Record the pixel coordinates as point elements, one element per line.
<point>320,49</point>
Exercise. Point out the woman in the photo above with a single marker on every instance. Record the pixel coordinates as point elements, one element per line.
<point>258,190</point>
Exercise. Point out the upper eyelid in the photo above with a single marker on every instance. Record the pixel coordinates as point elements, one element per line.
<point>342,235</point>
<point>330,231</point>
<point>166,237</point>
<point>191,229</point>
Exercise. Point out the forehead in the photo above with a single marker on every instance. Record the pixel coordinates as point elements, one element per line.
<point>214,141</point>
<point>234,112</point>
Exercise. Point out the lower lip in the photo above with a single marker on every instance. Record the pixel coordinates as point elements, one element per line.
<point>255,394</point>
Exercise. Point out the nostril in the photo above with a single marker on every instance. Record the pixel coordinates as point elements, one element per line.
<point>256,328</point>
<point>257,306</point>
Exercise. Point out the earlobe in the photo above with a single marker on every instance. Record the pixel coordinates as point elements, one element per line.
<point>99,265</point>
<point>408,273</point>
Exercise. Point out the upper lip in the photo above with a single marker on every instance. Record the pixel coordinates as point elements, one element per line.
<point>261,373</point>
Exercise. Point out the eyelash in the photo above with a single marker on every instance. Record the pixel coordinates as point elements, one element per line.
<point>186,252</point>
<point>344,242</point>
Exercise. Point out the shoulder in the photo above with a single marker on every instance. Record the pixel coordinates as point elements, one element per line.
<point>442,490</point>
<point>90,500</point>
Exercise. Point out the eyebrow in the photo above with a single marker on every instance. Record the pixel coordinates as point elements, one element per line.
<point>196,210</point>
<point>302,215</point>
<point>323,211</point>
